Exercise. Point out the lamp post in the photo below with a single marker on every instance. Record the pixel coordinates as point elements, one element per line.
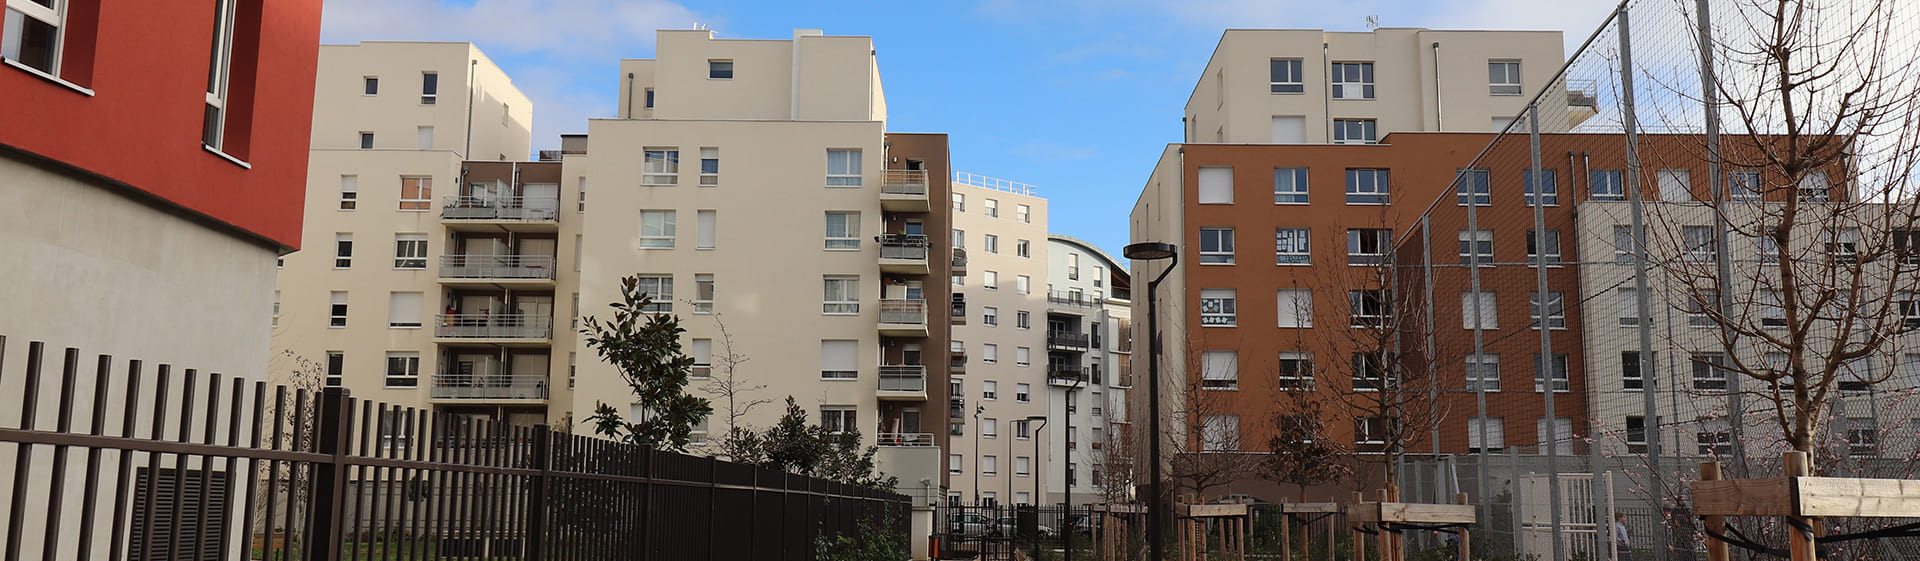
<point>1034,502</point>
<point>977,410</point>
<point>1156,507</point>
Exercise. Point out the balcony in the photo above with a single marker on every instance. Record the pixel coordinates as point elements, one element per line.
<point>501,213</point>
<point>959,261</point>
<point>904,190</point>
<point>469,388</point>
<point>1072,299</point>
<point>1066,376</point>
<point>1066,341</point>
<point>496,271</point>
<point>957,408</point>
<point>958,363</point>
<point>498,329</point>
<point>905,439</point>
<point>903,382</point>
<point>904,254</point>
<point>901,317</point>
<point>959,312</point>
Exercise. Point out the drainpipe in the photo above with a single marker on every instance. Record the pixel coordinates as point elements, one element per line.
<point>629,113</point>
<point>472,66</point>
<point>1438,122</point>
<point>1326,92</point>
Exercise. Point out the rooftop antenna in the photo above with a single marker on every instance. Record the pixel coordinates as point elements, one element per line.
<point>1373,22</point>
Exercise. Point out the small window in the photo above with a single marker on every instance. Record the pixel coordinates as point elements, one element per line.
<point>720,69</point>
<point>1367,246</point>
<point>1291,246</point>
<point>1743,185</point>
<point>1548,192</point>
<point>843,230</point>
<point>1476,246</point>
<point>1698,304</point>
<point>657,229</point>
<point>1503,77</point>
<point>1220,370</point>
<point>1472,185</point>
<point>1556,310</point>
<point>1216,185</point>
<point>1217,307</point>
<point>404,309</point>
<point>1483,372</point>
<point>1543,246</point>
<point>990,316</point>
<point>1355,131</point>
<point>1482,305</point>
<point>372,85</point>
<point>1814,187</point>
<point>1709,371</point>
<point>1370,308</point>
<point>416,193</point>
<point>706,228</point>
<point>1369,373</point>
<point>1843,245</point>
<point>1623,251</point>
<point>1698,244</point>
<point>429,88</point>
<point>959,202</point>
<point>343,251</point>
<point>1022,356</point>
<point>990,280</point>
<point>1295,371</point>
<point>649,101</point>
<point>842,295</point>
<point>410,251</point>
<point>219,72</point>
<point>1352,80</point>
<point>660,287</point>
<point>1023,284</point>
<point>1607,185</point>
<point>989,390</point>
<point>1630,376</point>
<point>32,35</point>
<point>1560,382</point>
<point>662,166</point>
<point>1022,393</point>
<point>403,369</point>
<point>843,168</point>
<point>349,192</point>
<point>423,138</point>
<point>709,167</point>
<point>336,369</point>
<point>1284,76</point>
<point>1220,433</point>
<point>1023,248</point>
<point>1367,186</point>
<point>1216,246</point>
<point>337,312</point>
<point>991,208</point>
<point>1289,186</point>
<point>1023,213</point>
<point>701,351</point>
<point>1022,319</point>
<point>1629,304</point>
<point>1295,307</point>
<point>990,243</point>
<point>366,140</point>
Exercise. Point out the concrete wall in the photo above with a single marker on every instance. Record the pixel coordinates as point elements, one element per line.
<point>342,110</point>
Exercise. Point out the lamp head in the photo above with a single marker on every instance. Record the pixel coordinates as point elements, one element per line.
<point>1149,251</point>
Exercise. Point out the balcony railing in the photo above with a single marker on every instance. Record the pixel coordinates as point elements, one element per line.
<point>516,267</point>
<point>903,378</point>
<point>489,386</point>
<point>906,439</point>
<point>531,209</point>
<point>959,259</point>
<point>1064,375</point>
<point>1072,299</point>
<point>903,311</point>
<point>1066,340</point>
<point>903,246</point>
<point>492,326</point>
<point>904,182</point>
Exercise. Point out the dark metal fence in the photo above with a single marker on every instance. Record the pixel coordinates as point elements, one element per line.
<point>143,463</point>
<point>1007,532</point>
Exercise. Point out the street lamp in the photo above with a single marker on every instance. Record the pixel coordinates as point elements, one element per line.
<point>1035,474</point>
<point>1156,507</point>
<point>977,410</point>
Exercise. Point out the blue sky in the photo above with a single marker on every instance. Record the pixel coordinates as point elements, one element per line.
<point>1077,97</point>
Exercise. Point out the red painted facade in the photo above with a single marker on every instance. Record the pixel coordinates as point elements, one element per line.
<point>146,63</point>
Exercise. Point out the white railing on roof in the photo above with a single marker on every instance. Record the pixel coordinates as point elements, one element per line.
<point>1009,186</point>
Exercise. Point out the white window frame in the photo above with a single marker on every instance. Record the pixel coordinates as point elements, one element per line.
<point>1550,188</point>
<point>1553,253</point>
<point>661,291</point>
<point>1292,246</point>
<point>989,316</point>
<point>716,67</point>
<point>1556,305</point>
<point>1562,381</point>
<point>403,322</point>
<point>1220,370</point>
<point>337,309</point>
<point>991,243</point>
<point>429,95</point>
<point>422,199</point>
<point>55,17</point>
<point>1482,372</point>
<point>1293,190</point>
<point>660,166</point>
<point>703,291</point>
<point>1343,87</point>
<point>1216,246</point>
<point>662,231</point>
<point>1356,131</point>
<point>1218,307</point>
<point>1302,301</point>
<point>1357,241</point>
<point>343,250</point>
<point>1294,371</point>
<point>1286,76</point>
<point>1022,284</point>
<point>1369,186</point>
<point>219,73</point>
<point>1607,185</point>
<point>840,295</point>
<point>991,208</point>
<point>1489,313</point>
<point>1023,213</point>
<point>841,372</point>
<point>1476,243</point>
<point>1629,303</point>
<point>848,238</point>
<point>1473,184</point>
<point>709,154</point>
<point>410,251</point>
<point>409,374</point>
<point>848,174</point>
<point>1359,302</point>
<point>1743,185</point>
<point>1503,77</point>
<point>349,192</point>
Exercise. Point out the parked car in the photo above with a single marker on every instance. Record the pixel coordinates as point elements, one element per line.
<point>971,525</point>
<point>1010,526</point>
<point>1080,524</point>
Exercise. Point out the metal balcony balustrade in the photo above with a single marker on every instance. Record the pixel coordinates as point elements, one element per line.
<point>489,207</point>
<point>903,311</point>
<point>916,439</point>
<point>903,378</point>
<point>489,386</point>
<point>903,246</point>
<point>1072,299</point>
<point>492,326</point>
<point>904,182</point>
<point>959,260</point>
<point>1066,340</point>
<point>482,266</point>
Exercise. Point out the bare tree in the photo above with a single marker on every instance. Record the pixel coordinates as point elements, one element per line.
<point>1302,451</point>
<point>1115,457</point>
<point>733,393</point>
<point>1207,445</point>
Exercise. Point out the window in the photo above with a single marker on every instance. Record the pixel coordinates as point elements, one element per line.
<point>661,166</point>
<point>990,315</point>
<point>839,360</point>
<point>1289,186</point>
<point>410,251</point>
<point>990,280</point>
<point>1843,245</point>
<point>1698,301</point>
<point>843,230</point>
<point>720,69</point>
<point>1217,307</point>
<point>366,140</point>
<point>337,313</point>
<point>1291,246</point>
<point>989,428</point>
<point>1607,185</point>
<point>1352,80</point>
<point>1713,438</point>
<point>706,223</point>
<point>1022,393</point>
<point>1629,300</point>
<point>843,168</point>
<point>1908,305</point>
<point>1366,186</point>
<point>342,251</point>
<point>1370,434</point>
<point>991,243</point>
<point>1022,467</point>
<point>1023,213</point>
<point>660,287</point>
<point>1473,185</point>
<point>702,293</point>
<point>1559,433</point>
<point>989,466</point>
<point>336,369</point>
<point>1367,246</point>
<point>276,308</point>
<point>404,309</point>
<point>1283,76</point>
<point>657,229</point>
<point>1813,186</point>
<point>1073,259</point>
<point>1699,243</point>
<point>1476,246</point>
<point>403,369</point>
<point>709,167</point>
<point>1295,370</point>
<point>1296,307</point>
<point>1220,370</point>
<point>990,353</point>
<point>1623,251</point>
<point>582,189</point>
<point>429,88</point>
<point>959,202</point>
<point>576,312</point>
<point>1503,77</point>
<point>842,295</point>
<point>1555,309</point>
<point>1483,372</point>
<point>349,192</point>
<point>1743,185</point>
<point>1543,247</point>
<point>1022,319</point>
<point>991,208</point>
<point>1216,185</point>
<point>416,193</point>
<point>955,463</point>
<point>1355,131</point>
<point>1479,305</point>
<point>649,101</point>
<point>989,390</point>
<point>1630,376</point>
<point>219,70</point>
<point>960,239</point>
<point>1486,434</point>
<point>1636,436</point>
<point>1863,440</point>
<point>1560,381</point>
<point>1675,184</point>
<point>1022,356</point>
<point>1023,284</point>
<point>1708,371</point>
<point>1221,433</point>
<point>1216,246</point>
<point>837,419</point>
<point>1548,192</point>
<point>1370,308</point>
<point>1023,248</point>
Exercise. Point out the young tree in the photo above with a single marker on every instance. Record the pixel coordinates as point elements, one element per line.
<point>1207,446</point>
<point>1115,458</point>
<point>1302,452</point>
<point>794,446</point>
<point>734,393</point>
<point>645,348</point>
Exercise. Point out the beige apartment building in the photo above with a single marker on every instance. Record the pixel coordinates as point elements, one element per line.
<point>1307,86</point>
<point>1089,348</point>
<point>431,271</point>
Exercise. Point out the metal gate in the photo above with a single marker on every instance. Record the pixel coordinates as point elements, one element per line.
<point>1583,527</point>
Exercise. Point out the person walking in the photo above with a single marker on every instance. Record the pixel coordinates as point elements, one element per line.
<point>1620,543</point>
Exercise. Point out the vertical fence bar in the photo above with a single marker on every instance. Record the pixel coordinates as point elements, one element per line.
<point>123,462</point>
<point>103,372</point>
<point>253,466</point>
<point>157,431</point>
<point>182,434</point>
<point>29,401</point>
<point>328,483</point>
<point>541,456</point>
<point>63,423</point>
<point>235,413</point>
<point>304,415</point>
<point>358,478</point>
<point>208,436</point>
<point>273,476</point>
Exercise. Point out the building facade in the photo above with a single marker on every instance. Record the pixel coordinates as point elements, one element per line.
<point>1088,351</point>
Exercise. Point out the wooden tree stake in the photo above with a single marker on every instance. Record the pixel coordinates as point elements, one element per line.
<point>1466,532</point>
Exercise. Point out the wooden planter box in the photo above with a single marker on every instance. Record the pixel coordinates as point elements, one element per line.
<point>1808,496</point>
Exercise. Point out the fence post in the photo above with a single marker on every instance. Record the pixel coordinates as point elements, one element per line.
<point>536,541</point>
<point>327,490</point>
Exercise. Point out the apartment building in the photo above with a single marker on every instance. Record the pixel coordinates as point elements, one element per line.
<point>438,298</point>
<point>1088,353</point>
<point>1308,86</point>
